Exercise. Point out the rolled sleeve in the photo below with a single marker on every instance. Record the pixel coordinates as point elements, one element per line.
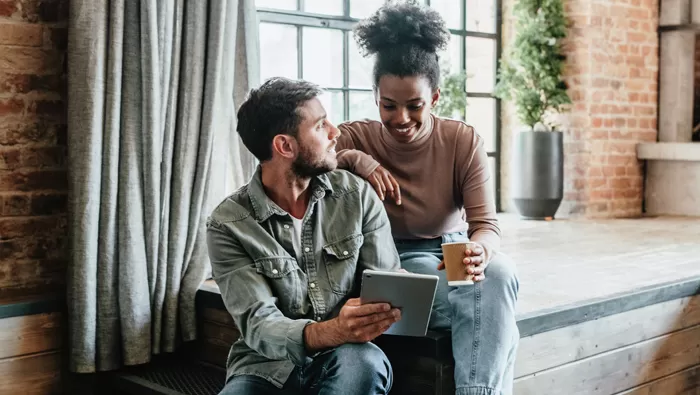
<point>296,347</point>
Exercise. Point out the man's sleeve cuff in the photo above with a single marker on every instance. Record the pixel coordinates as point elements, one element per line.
<point>296,348</point>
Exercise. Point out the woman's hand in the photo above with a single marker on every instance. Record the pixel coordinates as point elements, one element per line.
<point>385,184</point>
<point>474,262</point>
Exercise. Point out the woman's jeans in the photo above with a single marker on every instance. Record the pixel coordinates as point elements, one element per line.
<point>350,369</point>
<point>481,316</point>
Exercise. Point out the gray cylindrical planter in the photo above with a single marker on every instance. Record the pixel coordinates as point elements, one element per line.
<point>538,173</point>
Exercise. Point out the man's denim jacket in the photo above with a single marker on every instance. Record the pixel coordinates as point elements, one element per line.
<point>270,294</point>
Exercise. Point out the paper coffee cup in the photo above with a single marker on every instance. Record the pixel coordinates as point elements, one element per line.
<point>453,256</point>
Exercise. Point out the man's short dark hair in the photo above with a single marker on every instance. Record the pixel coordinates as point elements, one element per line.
<point>273,109</point>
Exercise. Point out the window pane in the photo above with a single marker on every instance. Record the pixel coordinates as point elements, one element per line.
<point>451,59</point>
<point>492,181</point>
<point>333,103</point>
<point>451,11</point>
<point>278,51</point>
<point>362,106</point>
<point>364,8</point>
<point>278,4</point>
<point>360,67</point>
<point>481,64</point>
<point>481,114</point>
<point>329,7</point>
<point>323,56</point>
<point>481,16</point>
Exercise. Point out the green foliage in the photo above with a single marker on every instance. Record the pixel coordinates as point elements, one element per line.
<point>453,96</point>
<point>531,71</point>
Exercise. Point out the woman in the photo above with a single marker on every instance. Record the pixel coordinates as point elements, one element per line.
<point>436,175</point>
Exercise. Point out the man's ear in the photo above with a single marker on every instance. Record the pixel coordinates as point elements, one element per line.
<point>435,98</point>
<point>285,146</point>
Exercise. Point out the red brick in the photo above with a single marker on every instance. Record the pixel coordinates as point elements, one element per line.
<point>53,108</point>
<point>14,227</point>
<point>597,183</point>
<point>608,171</point>
<point>31,60</point>
<point>13,205</point>
<point>24,83</point>
<point>11,106</point>
<point>620,183</point>
<point>10,159</point>
<point>53,10</point>
<point>43,157</point>
<point>595,171</point>
<point>41,276</point>
<point>597,122</point>
<point>601,194</point>
<point>20,34</point>
<point>33,180</point>
<point>39,131</point>
<point>644,110</point>
<point>599,134</point>
<point>56,37</point>
<point>8,7</point>
<point>48,204</point>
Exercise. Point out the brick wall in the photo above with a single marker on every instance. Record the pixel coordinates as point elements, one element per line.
<point>696,87</point>
<point>611,70</point>
<point>33,179</point>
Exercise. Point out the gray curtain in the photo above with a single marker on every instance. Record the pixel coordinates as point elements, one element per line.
<point>151,121</point>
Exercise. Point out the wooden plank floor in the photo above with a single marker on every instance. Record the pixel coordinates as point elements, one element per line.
<point>565,262</point>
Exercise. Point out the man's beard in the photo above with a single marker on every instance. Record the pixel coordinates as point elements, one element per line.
<point>304,165</point>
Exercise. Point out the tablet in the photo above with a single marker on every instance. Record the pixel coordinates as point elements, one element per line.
<point>412,293</point>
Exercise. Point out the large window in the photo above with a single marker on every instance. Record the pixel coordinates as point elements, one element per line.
<point>312,40</point>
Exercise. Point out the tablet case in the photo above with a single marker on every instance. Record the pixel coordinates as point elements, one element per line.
<point>412,293</point>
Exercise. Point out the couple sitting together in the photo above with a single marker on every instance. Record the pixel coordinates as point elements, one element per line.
<point>288,249</point>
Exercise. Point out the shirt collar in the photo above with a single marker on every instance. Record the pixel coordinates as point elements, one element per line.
<point>264,207</point>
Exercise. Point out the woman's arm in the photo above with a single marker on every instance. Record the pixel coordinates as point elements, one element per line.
<point>351,158</point>
<point>478,199</point>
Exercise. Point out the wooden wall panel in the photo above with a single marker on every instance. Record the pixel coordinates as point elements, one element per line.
<point>620,369</point>
<point>35,374</point>
<point>30,334</point>
<point>561,346</point>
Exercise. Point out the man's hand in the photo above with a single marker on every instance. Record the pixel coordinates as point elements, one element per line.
<point>474,262</point>
<point>385,184</point>
<point>360,323</point>
<point>356,323</point>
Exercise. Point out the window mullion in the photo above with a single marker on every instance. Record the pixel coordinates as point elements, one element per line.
<point>300,52</point>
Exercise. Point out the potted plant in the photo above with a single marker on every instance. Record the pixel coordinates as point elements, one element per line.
<point>530,75</point>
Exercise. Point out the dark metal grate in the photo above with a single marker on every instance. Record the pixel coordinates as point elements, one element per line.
<point>184,378</point>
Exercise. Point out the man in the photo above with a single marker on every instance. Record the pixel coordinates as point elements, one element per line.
<point>287,250</point>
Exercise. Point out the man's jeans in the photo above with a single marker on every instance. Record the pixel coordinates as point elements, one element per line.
<point>351,369</point>
<point>481,317</point>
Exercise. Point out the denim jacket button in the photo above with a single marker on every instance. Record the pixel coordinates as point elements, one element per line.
<point>345,252</point>
<point>307,249</point>
<point>286,226</point>
<point>275,271</point>
<point>312,285</point>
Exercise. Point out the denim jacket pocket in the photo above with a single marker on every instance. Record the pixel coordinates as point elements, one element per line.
<point>340,258</point>
<point>285,278</point>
